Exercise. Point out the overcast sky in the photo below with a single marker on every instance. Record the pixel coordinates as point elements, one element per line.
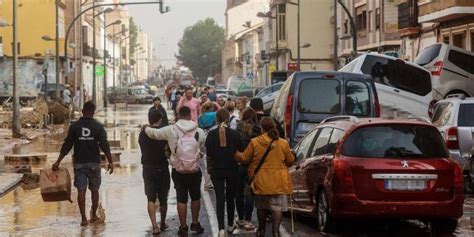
<point>167,29</point>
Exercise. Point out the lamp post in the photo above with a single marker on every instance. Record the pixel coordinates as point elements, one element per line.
<point>16,126</point>
<point>353,26</point>
<point>94,56</point>
<point>105,58</point>
<point>113,53</point>
<point>298,34</point>
<point>268,15</point>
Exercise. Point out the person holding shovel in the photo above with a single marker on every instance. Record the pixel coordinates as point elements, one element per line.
<point>88,137</point>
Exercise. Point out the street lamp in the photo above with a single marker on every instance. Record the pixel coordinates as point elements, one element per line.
<point>353,26</point>
<point>268,15</point>
<point>307,45</point>
<point>117,22</point>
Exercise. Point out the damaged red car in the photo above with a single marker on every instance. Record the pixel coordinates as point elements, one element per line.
<point>373,168</point>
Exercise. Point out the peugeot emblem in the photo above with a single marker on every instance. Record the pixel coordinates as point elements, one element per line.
<point>405,164</point>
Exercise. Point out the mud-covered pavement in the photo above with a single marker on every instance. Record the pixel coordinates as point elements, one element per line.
<point>23,213</point>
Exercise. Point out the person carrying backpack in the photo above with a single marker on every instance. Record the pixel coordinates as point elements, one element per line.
<point>186,142</point>
<point>248,128</point>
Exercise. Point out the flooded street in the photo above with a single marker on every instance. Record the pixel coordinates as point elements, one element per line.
<point>23,212</point>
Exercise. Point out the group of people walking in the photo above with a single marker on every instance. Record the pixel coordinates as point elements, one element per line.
<point>236,150</point>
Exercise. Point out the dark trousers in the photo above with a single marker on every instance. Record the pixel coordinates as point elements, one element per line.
<point>225,186</point>
<point>244,203</point>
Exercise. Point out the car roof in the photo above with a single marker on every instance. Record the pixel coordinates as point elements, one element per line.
<point>467,100</point>
<point>361,122</point>
<point>394,58</point>
<point>318,73</point>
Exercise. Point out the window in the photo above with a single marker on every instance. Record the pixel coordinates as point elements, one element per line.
<point>398,74</point>
<point>335,137</point>
<point>349,67</point>
<point>361,21</point>
<point>441,114</point>
<point>377,18</point>
<point>472,41</point>
<point>446,39</point>
<point>303,147</point>
<point>282,22</point>
<point>395,141</point>
<point>466,113</point>
<point>357,98</point>
<point>320,146</point>
<point>277,87</point>
<point>459,40</point>
<point>319,96</point>
<point>461,60</point>
<point>264,92</point>
<point>346,22</point>
<point>428,55</point>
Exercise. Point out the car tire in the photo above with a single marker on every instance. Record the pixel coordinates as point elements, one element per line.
<point>444,226</point>
<point>323,219</point>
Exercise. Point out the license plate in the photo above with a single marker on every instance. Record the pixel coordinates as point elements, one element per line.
<point>405,184</point>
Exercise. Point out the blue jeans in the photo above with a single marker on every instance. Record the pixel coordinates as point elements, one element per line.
<point>245,204</point>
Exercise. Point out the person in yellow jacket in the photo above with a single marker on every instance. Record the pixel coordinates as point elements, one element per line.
<point>272,183</point>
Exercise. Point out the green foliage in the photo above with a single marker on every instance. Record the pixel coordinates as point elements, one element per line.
<point>200,48</point>
<point>133,36</point>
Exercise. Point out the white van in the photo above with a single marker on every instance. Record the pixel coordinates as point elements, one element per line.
<point>451,67</point>
<point>404,88</point>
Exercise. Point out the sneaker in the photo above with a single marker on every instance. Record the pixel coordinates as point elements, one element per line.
<point>183,230</point>
<point>221,233</point>
<point>231,228</point>
<point>240,223</point>
<point>197,227</point>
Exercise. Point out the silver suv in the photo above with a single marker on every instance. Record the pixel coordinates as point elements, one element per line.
<point>454,118</point>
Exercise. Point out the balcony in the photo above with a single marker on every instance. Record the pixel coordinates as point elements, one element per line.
<point>444,10</point>
<point>408,18</point>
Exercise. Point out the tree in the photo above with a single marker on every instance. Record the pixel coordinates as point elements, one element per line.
<point>200,48</point>
<point>133,37</point>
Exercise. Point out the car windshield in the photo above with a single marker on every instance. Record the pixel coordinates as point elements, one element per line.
<point>319,96</point>
<point>395,141</point>
<point>427,55</point>
<point>466,115</point>
<point>139,91</point>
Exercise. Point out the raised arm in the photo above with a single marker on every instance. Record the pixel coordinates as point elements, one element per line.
<point>246,156</point>
<point>157,133</point>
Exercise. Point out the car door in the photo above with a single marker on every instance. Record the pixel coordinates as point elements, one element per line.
<point>302,150</point>
<point>311,170</point>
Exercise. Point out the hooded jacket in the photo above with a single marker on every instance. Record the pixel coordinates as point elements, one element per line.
<point>273,177</point>
<point>207,120</point>
<point>168,133</point>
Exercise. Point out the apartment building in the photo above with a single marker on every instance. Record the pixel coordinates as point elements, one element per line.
<point>376,24</point>
<point>36,55</point>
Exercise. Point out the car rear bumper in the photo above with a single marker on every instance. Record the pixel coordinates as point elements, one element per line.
<point>348,205</point>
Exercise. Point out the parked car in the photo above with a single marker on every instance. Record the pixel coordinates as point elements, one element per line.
<point>268,95</point>
<point>307,98</point>
<point>227,94</point>
<point>241,86</point>
<point>131,95</point>
<point>404,88</point>
<point>374,168</point>
<point>454,118</point>
<point>50,90</point>
<point>451,67</point>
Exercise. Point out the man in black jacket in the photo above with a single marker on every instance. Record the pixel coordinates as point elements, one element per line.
<point>88,137</point>
<point>157,106</point>
<point>156,174</point>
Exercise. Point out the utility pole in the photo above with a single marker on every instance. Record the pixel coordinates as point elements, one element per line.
<point>16,126</point>
<point>105,61</point>
<point>94,94</point>
<point>299,36</point>
<point>58,72</point>
<point>81,72</point>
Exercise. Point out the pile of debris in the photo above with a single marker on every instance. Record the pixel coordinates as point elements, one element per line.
<point>36,113</point>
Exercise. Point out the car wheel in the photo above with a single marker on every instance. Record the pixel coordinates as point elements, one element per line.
<point>444,226</point>
<point>322,212</point>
